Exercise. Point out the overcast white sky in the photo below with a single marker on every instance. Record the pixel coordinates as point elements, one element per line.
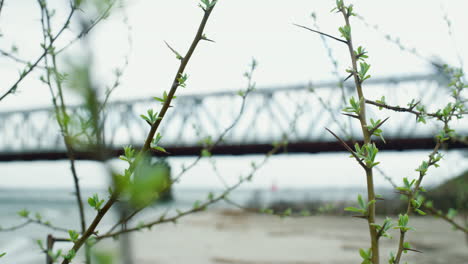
<point>242,29</point>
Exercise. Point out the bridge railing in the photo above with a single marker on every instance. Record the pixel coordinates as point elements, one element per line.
<point>301,112</point>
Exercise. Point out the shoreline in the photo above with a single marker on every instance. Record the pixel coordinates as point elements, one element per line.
<point>236,237</point>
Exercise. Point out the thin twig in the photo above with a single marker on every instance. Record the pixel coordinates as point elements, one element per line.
<point>411,195</point>
<point>17,59</point>
<point>456,225</point>
<point>198,208</point>
<point>33,221</point>
<point>91,229</point>
<point>93,24</point>
<point>60,110</point>
<point>30,68</point>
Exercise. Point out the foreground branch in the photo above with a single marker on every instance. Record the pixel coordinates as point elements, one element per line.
<point>91,229</point>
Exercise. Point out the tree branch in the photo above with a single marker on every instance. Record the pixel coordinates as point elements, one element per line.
<point>456,225</point>
<point>146,147</point>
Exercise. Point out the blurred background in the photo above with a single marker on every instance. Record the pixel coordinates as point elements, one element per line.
<point>297,95</point>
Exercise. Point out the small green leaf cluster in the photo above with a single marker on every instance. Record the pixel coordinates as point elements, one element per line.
<point>207,4</point>
<point>362,73</point>
<point>361,53</point>
<point>205,153</point>
<point>367,153</point>
<point>2,254</point>
<point>70,255</point>
<point>129,154</point>
<point>354,107</point>
<point>248,75</point>
<point>382,102</point>
<point>23,213</point>
<point>403,223</point>
<point>95,202</point>
<point>210,196</point>
<point>341,7</point>
<point>410,191</point>
<point>417,203</point>
<point>456,83</point>
<point>406,247</point>
<point>197,205</point>
<point>151,118</point>
<point>206,141</point>
<point>164,98</point>
<point>37,217</point>
<point>345,32</point>
<point>452,213</point>
<point>363,207</point>
<point>373,127</point>
<point>182,80</point>
<point>421,117</point>
<point>73,235</point>
<point>445,134</point>
<point>412,104</point>
<point>53,255</point>
<point>392,258</point>
<point>155,143</point>
<point>425,165</point>
<point>407,188</point>
<point>366,255</point>
<point>382,229</point>
<point>449,110</point>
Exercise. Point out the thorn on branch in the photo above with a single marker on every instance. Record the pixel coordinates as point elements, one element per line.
<point>207,39</point>
<point>377,127</point>
<point>414,250</point>
<point>414,106</point>
<point>160,151</point>
<point>324,34</point>
<point>349,76</point>
<point>351,115</point>
<point>348,148</point>
<point>178,56</point>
